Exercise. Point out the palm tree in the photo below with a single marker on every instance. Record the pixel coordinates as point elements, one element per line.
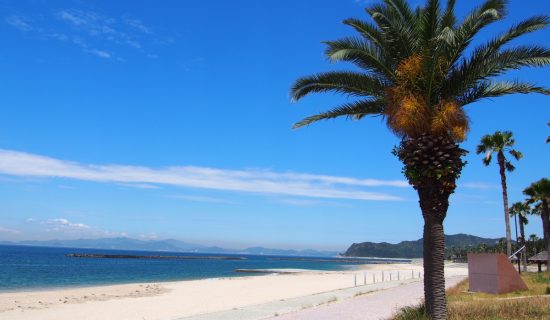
<point>533,238</point>
<point>539,194</point>
<point>521,210</point>
<point>499,143</point>
<point>417,70</point>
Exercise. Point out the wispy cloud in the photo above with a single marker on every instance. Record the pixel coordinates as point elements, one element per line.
<point>138,25</point>
<point>310,202</point>
<point>62,226</point>
<point>148,236</point>
<point>251,181</point>
<point>94,33</point>
<point>478,185</point>
<point>101,53</point>
<point>98,26</point>
<point>199,198</point>
<point>9,231</point>
<point>19,22</point>
<point>61,223</point>
<point>140,185</point>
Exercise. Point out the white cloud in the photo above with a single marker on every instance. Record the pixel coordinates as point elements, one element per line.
<point>199,198</point>
<point>61,223</point>
<point>140,185</point>
<point>478,185</point>
<point>149,236</point>
<point>92,32</point>
<point>253,180</point>
<point>62,226</point>
<point>95,25</point>
<point>19,22</point>
<point>137,24</point>
<point>310,202</point>
<point>100,53</point>
<point>9,231</point>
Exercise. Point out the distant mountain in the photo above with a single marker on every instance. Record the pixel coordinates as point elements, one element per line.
<point>115,243</point>
<point>411,249</point>
<point>281,252</point>
<point>170,245</point>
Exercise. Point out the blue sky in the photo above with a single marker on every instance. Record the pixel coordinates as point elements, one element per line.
<point>173,120</point>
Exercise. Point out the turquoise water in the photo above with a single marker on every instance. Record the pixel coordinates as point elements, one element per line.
<point>23,268</point>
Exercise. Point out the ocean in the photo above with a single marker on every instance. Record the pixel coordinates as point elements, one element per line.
<point>30,268</point>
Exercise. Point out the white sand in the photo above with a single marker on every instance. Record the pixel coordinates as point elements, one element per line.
<point>170,300</point>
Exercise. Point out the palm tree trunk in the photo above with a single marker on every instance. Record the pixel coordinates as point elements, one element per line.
<point>505,200</point>
<point>545,215</point>
<point>432,164</point>
<point>434,202</point>
<point>524,252</point>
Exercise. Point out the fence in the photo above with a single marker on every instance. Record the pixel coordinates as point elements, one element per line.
<point>371,277</point>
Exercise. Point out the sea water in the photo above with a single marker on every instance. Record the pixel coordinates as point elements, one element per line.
<point>26,268</point>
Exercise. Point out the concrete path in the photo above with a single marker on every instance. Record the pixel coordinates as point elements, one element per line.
<point>279,307</point>
<point>376,305</point>
<point>371,301</point>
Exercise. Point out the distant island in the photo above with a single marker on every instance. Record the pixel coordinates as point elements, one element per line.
<point>414,249</point>
<point>167,245</point>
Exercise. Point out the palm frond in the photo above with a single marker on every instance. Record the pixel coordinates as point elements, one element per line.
<point>489,12</point>
<point>345,82</point>
<point>490,48</point>
<point>354,110</point>
<point>362,53</point>
<point>449,19</point>
<point>516,154</point>
<point>481,148</point>
<point>403,8</point>
<point>480,68</point>
<point>509,166</point>
<point>488,158</point>
<point>488,89</point>
<point>368,31</point>
<point>430,21</point>
<point>399,33</point>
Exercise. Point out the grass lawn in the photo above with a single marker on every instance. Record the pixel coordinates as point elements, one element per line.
<point>532,304</point>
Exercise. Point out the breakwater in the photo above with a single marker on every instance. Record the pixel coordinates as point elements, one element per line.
<point>132,256</point>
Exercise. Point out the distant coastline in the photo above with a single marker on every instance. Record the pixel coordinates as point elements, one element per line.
<point>167,245</point>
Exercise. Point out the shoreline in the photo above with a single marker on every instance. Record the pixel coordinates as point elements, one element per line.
<point>236,273</point>
<point>171,299</point>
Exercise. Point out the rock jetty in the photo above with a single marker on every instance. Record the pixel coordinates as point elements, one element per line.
<point>131,256</point>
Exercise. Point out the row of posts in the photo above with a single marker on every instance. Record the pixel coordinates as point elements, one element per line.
<point>418,276</point>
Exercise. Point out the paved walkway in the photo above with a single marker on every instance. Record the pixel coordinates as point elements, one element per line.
<point>371,301</point>
<point>376,305</point>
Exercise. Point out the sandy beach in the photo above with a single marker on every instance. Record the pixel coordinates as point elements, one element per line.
<point>171,300</point>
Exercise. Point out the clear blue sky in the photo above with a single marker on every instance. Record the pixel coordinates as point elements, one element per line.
<point>173,120</point>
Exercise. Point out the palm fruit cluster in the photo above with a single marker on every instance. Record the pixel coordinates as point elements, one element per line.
<point>431,160</point>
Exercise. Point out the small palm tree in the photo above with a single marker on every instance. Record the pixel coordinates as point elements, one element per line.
<point>499,143</point>
<point>521,210</point>
<point>417,70</point>
<point>539,194</point>
<point>533,238</point>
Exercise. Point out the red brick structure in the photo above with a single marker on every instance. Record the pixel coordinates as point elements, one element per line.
<point>493,273</point>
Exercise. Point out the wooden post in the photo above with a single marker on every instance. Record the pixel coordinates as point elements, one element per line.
<point>398,276</point>
<point>382,276</point>
<point>355,280</point>
<point>412,273</point>
<point>374,278</point>
<point>364,278</point>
